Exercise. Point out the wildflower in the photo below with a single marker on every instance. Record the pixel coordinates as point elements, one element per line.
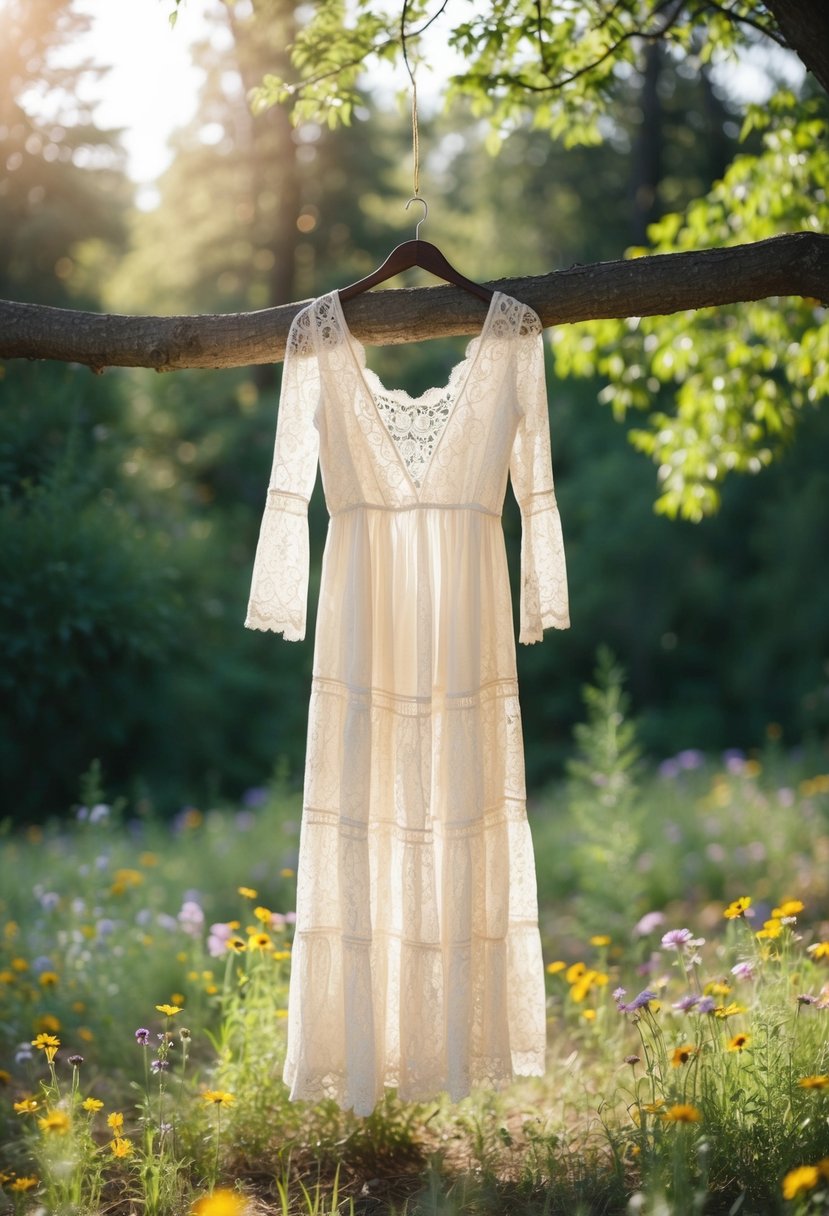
<point>191,918</point>
<point>737,908</point>
<point>819,950</point>
<point>803,1178</point>
<point>639,1002</point>
<point>618,993</point>
<point>159,1065</point>
<point>92,1105</point>
<point>686,1003</point>
<point>217,939</point>
<point>706,1004</point>
<point>675,939</point>
<point>120,1147</point>
<point>85,1033</point>
<point>248,892</point>
<point>554,968</point>
<point>263,915</point>
<point>574,973</point>
<point>739,1042</point>
<point>142,1036</point>
<point>806,998</point>
<point>259,941</point>
<point>55,1121</point>
<point>47,1023</point>
<point>633,1060</point>
<point>218,1097</point>
<point>115,1121</point>
<point>26,1106</point>
<point>178,998</point>
<point>653,1108</point>
<point>771,928</point>
<point>729,1011</point>
<point>221,1203</point>
<point>717,988</point>
<point>789,907</point>
<point>19,965</point>
<point>183,1033</point>
<point>683,1054</point>
<point>649,922</point>
<point>589,1015</point>
<point>820,1081</point>
<point>169,1010</point>
<point>600,939</point>
<point>5,1077</point>
<point>148,859</point>
<point>743,971</point>
<point>682,1112</point>
<point>49,979</point>
<point>22,1184</point>
<point>48,1044</point>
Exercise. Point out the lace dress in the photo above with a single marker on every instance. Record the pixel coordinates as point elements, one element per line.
<point>417,958</point>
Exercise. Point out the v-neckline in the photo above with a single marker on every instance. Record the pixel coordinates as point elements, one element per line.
<point>470,359</point>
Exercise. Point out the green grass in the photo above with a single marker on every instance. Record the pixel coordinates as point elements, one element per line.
<point>651,1111</point>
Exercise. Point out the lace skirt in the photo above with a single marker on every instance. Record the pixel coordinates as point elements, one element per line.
<point>417,959</point>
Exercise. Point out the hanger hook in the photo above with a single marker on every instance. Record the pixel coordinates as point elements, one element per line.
<point>417,199</point>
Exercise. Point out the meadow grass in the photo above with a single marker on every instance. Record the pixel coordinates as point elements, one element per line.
<point>685,916</point>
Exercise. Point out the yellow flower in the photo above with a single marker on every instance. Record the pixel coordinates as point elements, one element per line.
<point>221,1203</point>
<point>55,1121</point>
<point>280,1013</point>
<point>5,1077</point>
<point>683,1054</point>
<point>600,939</point>
<point>218,1097</point>
<point>147,859</point>
<point>771,928</point>
<point>48,979</point>
<point>717,988</point>
<point>11,929</point>
<point>115,1121</point>
<point>653,1108</point>
<point>803,1178</point>
<point>819,950</point>
<point>79,1006</point>
<point>821,1081</point>
<point>48,1023</point>
<point>85,1033</point>
<point>739,1042</point>
<point>263,914</point>
<point>280,956</point>
<point>177,998</point>
<point>19,964</point>
<point>169,1010</point>
<point>26,1106</point>
<point>119,1147</point>
<point>248,892</point>
<point>729,1011</point>
<point>123,880</point>
<point>574,973</point>
<point>789,907</point>
<point>259,941</point>
<point>287,872</point>
<point>47,1043</point>
<point>6,977</point>
<point>682,1112</point>
<point>92,1104</point>
<point>23,1184</point>
<point>554,968</point>
<point>737,907</point>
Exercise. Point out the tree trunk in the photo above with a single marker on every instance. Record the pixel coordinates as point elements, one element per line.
<point>792,265</point>
<point>805,26</point>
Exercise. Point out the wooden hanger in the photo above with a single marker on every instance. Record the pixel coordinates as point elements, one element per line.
<point>415,253</point>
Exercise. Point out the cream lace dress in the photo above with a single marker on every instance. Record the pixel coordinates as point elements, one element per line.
<point>417,958</point>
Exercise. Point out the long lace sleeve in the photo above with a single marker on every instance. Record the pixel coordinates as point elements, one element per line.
<point>544,602</point>
<point>279,587</point>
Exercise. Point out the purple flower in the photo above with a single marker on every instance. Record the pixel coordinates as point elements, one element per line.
<point>690,758</point>
<point>669,769</point>
<point>618,993</point>
<point>160,1065</point>
<point>806,998</point>
<point>142,1036</point>
<point>675,939</point>
<point>706,1004</point>
<point>743,971</point>
<point>191,918</point>
<point>734,760</point>
<point>218,936</point>
<point>686,1003</point>
<point>256,796</point>
<point>644,998</point>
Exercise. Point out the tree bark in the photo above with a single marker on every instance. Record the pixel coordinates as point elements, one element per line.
<point>792,265</point>
<point>805,26</point>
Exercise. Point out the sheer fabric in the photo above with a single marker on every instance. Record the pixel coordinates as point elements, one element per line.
<point>417,958</point>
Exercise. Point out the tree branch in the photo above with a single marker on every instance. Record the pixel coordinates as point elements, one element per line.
<point>793,265</point>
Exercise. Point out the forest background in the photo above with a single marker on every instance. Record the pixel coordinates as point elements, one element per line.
<point>131,501</point>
